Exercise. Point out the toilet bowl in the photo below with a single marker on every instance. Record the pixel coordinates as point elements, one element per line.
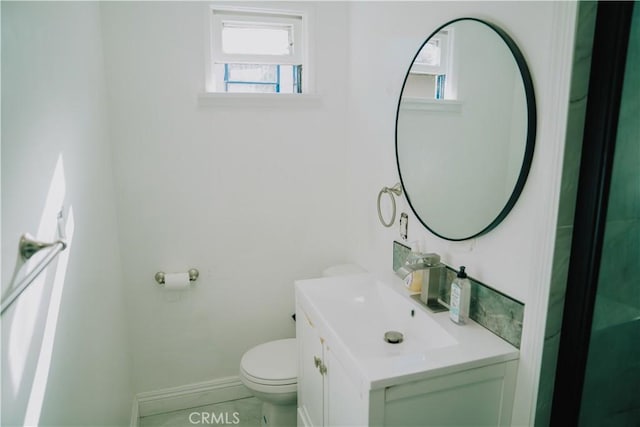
<point>270,370</point>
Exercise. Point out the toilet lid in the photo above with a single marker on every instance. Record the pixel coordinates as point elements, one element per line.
<point>274,362</point>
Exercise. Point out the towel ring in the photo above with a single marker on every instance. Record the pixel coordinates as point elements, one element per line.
<point>395,190</point>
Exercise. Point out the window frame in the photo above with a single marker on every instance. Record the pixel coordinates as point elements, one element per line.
<point>221,16</point>
<point>299,56</point>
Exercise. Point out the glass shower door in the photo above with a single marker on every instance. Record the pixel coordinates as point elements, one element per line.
<point>611,393</point>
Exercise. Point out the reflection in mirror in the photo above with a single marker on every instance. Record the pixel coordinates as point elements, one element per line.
<point>427,78</point>
<point>465,129</point>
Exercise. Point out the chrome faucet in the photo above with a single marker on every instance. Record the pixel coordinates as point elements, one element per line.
<point>434,275</point>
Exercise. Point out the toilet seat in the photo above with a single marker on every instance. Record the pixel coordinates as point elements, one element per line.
<point>271,364</point>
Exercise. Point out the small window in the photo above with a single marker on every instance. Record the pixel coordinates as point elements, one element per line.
<point>256,52</point>
<point>428,75</point>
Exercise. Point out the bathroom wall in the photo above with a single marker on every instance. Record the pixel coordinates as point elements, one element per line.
<point>515,258</point>
<point>253,196</point>
<point>573,146</point>
<point>65,358</point>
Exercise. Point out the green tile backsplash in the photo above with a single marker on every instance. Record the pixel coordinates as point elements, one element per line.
<point>497,312</point>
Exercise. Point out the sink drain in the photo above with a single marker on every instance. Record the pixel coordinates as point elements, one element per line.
<point>393,337</point>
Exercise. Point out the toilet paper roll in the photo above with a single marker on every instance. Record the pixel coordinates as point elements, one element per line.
<point>176,281</point>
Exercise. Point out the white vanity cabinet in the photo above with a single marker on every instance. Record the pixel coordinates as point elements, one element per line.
<point>326,394</point>
<point>348,376</point>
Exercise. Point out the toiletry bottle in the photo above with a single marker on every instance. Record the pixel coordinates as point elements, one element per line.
<point>460,298</point>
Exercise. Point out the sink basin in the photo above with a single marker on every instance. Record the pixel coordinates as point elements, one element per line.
<point>365,309</point>
<point>353,313</point>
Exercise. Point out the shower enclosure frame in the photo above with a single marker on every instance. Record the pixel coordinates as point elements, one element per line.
<point>612,30</point>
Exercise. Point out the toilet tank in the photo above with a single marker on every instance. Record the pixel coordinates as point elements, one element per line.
<point>342,270</point>
<point>339,270</point>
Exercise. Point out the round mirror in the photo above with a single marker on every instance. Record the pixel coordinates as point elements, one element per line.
<point>465,129</point>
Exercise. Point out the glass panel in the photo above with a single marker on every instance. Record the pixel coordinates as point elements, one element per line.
<point>256,39</point>
<point>252,73</point>
<point>287,79</point>
<point>611,394</point>
<point>420,86</point>
<point>430,53</point>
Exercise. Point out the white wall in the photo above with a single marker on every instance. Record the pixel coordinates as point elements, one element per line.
<point>254,197</point>
<point>514,258</point>
<point>64,349</point>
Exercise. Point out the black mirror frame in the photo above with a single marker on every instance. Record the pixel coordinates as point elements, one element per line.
<point>531,128</point>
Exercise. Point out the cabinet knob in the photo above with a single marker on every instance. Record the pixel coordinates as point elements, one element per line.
<point>317,361</point>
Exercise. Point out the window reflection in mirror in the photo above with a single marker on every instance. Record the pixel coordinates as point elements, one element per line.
<point>430,76</point>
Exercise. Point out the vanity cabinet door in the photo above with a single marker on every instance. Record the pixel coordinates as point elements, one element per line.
<point>475,397</point>
<point>310,379</point>
<point>345,404</point>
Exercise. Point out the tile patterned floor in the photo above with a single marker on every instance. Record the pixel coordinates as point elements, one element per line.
<point>239,413</point>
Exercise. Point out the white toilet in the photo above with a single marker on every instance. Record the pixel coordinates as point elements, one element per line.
<point>270,370</point>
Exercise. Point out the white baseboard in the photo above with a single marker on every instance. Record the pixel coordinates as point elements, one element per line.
<point>188,396</point>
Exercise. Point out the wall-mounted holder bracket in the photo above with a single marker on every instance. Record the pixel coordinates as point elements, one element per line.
<point>29,247</point>
<point>404,225</point>
<point>193,276</point>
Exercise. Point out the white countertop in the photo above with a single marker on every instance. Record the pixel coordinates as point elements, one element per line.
<point>350,312</point>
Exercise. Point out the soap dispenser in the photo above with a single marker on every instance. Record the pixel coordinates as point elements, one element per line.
<point>460,298</point>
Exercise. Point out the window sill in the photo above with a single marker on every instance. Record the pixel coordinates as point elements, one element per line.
<point>220,99</point>
<point>423,104</point>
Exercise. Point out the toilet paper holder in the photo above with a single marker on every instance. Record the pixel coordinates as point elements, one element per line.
<point>193,276</point>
